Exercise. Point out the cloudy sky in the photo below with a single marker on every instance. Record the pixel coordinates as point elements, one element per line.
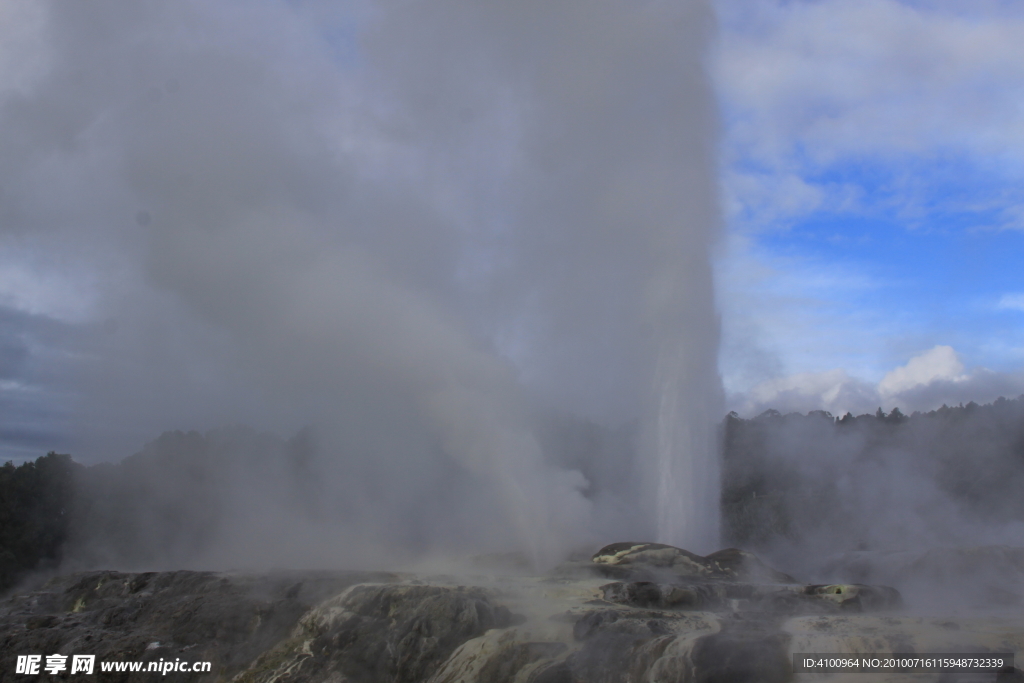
<point>869,170</point>
<point>872,172</point>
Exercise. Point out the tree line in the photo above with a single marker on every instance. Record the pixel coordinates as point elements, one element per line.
<point>886,481</point>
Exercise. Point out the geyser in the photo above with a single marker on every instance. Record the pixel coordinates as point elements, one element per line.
<point>417,226</point>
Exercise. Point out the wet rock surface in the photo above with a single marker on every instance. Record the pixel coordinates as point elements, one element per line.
<point>225,619</point>
<point>638,612</point>
<point>375,633</point>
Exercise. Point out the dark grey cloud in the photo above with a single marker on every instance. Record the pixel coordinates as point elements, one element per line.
<point>35,383</point>
<point>13,354</point>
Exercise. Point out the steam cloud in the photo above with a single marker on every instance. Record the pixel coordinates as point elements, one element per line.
<point>414,225</point>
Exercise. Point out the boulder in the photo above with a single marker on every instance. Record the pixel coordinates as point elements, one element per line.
<point>620,559</point>
<point>636,559</point>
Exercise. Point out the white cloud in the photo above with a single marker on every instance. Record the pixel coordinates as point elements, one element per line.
<point>938,364</point>
<point>857,76</point>
<point>927,381</point>
<point>808,85</point>
<point>789,315</point>
<point>766,199</point>
<point>1011,302</point>
<point>833,390</point>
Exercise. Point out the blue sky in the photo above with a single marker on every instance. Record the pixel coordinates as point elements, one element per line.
<point>872,176</point>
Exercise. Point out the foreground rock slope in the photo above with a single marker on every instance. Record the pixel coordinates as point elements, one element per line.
<point>634,612</point>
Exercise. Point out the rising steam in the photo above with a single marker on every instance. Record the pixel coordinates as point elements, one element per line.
<point>417,226</point>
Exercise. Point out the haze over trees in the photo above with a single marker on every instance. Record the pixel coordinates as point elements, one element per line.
<point>807,486</point>
<point>797,488</point>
